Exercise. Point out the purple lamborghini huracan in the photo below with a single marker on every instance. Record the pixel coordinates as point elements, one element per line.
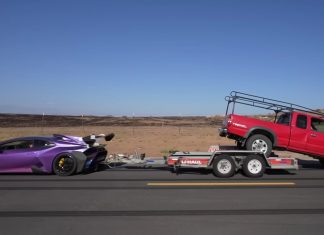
<point>59,154</point>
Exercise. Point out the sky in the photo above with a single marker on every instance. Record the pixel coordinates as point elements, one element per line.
<point>157,57</point>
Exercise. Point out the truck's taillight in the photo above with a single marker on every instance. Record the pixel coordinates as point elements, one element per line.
<point>227,121</point>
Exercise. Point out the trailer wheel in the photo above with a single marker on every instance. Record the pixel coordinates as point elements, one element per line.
<point>259,143</point>
<point>224,166</point>
<point>254,166</point>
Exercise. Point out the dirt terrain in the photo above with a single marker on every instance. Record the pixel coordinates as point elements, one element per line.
<point>31,120</point>
<point>154,141</point>
<point>154,136</point>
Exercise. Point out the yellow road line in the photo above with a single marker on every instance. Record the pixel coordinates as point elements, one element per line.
<point>222,184</point>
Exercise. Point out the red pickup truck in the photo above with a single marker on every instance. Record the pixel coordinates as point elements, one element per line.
<point>295,128</point>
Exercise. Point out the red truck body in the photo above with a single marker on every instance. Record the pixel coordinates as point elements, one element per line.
<point>296,131</point>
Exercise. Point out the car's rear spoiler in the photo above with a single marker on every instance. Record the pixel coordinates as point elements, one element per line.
<point>92,139</point>
<point>69,139</point>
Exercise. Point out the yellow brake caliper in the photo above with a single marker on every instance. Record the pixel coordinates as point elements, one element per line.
<point>61,163</point>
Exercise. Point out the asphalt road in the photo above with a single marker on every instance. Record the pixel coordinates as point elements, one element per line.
<point>153,201</point>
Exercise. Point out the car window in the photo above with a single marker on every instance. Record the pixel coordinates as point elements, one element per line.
<point>19,144</point>
<point>41,143</point>
<point>317,125</point>
<point>301,121</point>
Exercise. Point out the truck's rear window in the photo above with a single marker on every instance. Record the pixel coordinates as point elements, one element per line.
<point>317,125</point>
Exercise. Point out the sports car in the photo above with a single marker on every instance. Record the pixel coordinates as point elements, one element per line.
<point>59,154</point>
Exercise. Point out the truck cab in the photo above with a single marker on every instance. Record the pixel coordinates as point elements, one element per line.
<point>307,134</point>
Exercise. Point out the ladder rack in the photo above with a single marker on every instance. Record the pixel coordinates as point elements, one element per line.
<point>265,103</point>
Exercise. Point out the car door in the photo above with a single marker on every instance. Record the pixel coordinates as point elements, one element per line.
<point>299,133</point>
<point>315,141</point>
<point>17,156</point>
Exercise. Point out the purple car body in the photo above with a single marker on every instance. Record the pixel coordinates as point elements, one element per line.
<point>63,155</point>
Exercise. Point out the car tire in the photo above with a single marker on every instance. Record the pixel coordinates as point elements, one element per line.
<point>224,166</point>
<point>254,166</point>
<point>64,164</point>
<point>93,168</point>
<point>259,143</point>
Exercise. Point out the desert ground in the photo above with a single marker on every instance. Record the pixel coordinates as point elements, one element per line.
<point>154,141</point>
<point>154,136</point>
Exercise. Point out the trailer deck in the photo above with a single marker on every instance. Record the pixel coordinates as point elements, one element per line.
<point>225,161</point>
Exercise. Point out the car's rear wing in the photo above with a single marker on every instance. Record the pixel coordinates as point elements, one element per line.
<point>95,140</point>
<point>68,139</point>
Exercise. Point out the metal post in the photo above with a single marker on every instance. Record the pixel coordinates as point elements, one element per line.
<point>82,124</point>
<point>133,124</point>
<point>43,123</point>
<point>228,103</point>
<point>233,107</point>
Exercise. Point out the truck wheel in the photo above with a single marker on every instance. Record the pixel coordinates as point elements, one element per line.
<point>254,166</point>
<point>224,166</point>
<point>259,143</point>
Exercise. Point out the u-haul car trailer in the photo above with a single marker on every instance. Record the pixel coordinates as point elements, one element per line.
<point>225,162</point>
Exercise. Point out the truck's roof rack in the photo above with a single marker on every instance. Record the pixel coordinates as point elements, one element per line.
<point>266,103</point>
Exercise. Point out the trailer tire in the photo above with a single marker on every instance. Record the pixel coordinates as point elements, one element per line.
<point>259,143</point>
<point>254,166</point>
<point>224,166</point>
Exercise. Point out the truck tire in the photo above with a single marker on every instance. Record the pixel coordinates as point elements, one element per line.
<point>254,166</point>
<point>259,143</point>
<point>224,166</point>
